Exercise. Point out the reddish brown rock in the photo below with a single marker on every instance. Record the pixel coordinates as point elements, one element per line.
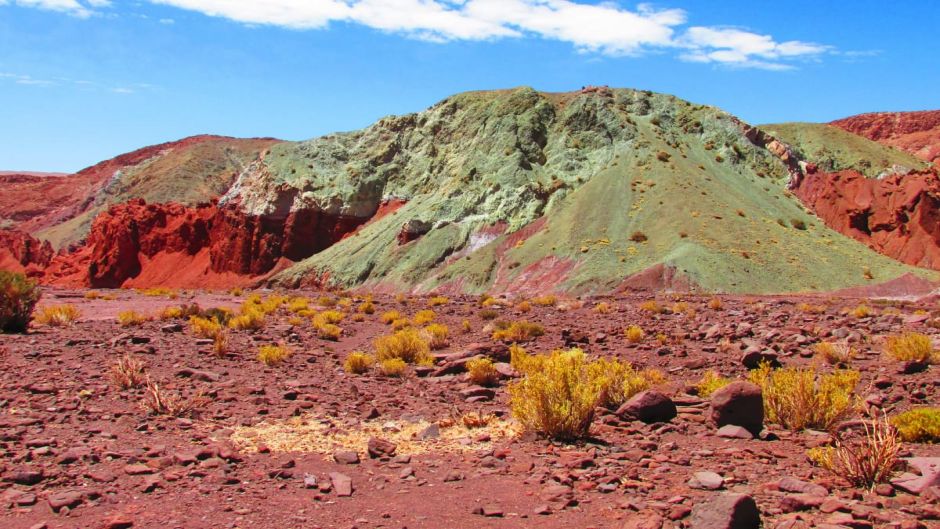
<point>20,252</point>
<point>915,132</point>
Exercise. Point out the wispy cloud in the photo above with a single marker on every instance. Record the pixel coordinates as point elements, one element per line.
<point>81,9</point>
<point>604,28</point>
<point>84,84</point>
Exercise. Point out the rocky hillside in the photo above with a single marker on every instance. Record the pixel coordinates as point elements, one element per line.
<point>917,133</point>
<point>513,190</point>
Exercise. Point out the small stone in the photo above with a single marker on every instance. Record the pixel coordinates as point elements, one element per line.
<point>706,481</point>
<point>27,476</point>
<point>342,484</point>
<point>432,431</point>
<point>731,431</point>
<point>346,457</point>
<point>929,468</point>
<point>649,406</point>
<point>381,448</point>
<point>791,484</point>
<point>70,499</point>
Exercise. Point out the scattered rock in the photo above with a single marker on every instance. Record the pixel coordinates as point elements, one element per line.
<point>342,484</point>
<point>648,406</point>
<point>739,403</point>
<point>726,511</point>
<point>381,448</point>
<point>707,481</point>
<point>346,457</point>
<point>929,468</point>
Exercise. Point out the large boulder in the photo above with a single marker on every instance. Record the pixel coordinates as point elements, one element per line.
<point>739,403</point>
<point>726,511</point>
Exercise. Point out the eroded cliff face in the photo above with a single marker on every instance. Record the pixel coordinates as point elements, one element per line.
<point>137,244</point>
<point>20,252</point>
<point>898,216</point>
<point>915,132</point>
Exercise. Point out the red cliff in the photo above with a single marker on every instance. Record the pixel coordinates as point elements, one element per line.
<point>915,132</point>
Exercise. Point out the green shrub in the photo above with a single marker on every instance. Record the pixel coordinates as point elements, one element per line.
<point>18,298</point>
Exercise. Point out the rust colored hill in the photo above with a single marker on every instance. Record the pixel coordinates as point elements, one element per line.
<point>61,208</point>
<point>898,215</point>
<point>917,133</point>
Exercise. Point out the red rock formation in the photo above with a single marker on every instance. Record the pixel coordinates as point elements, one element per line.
<point>21,253</point>
<point>898,216</point>
<point>915,132</point>
<point>140,244</point>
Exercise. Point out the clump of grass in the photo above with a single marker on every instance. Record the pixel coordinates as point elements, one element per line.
<point>331,317</point>
<point>158,401</point>
<point>836,354</point>
<point>680,307</point>
<point>392,367</point>
<point>220,343</point>
<point>523,306</point>
<point>423,316</point>
<point>488,301</point>
<point>619,381</point>
<point>407,345</point>
<point>248,320</point>
<point>437,335</point>
<point>328,331</point>
<point>482,372</point>
<point>466,327</point>
<point>715,304</point>
<point>919,425</point>
<point>390,316</point>
<point>475,419</point>
<point>18,298</point>
<point>811,309</point>
<point>519,332</point>
<point>58,315</point>
<point>652,306</point>
<point>865,461</point>
<point>911,347</point>
<point>800,398</point>
<point>128,373</point>
<point>358,363</point>
<point>488,314</point>
<point>130,318</point>
<point>602,308</point>
<point>171,313</point>
<point>711,382</point>
<point>861,311</point>
<point>326,301</point>
<point>401,324</point>
<point>159,292</point>
<point>366,307</point>
<point>634,334</point>
<point>271,355</point>
<point>236,291</point>
<point>204,327</point>
<point>298,304</point>
<point>92,295</point>
<point>437,301</point>
<point>548,300</point>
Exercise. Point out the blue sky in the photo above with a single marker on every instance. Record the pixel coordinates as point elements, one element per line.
<point>84,80</point>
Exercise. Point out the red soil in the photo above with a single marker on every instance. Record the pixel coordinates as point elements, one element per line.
<point>898,216</point>
<point>915,132</point>
<point>140,244</point>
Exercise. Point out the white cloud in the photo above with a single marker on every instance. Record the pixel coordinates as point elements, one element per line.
<point>604,28</point>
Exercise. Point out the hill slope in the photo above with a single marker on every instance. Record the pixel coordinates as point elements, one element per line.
<point>917,133</point>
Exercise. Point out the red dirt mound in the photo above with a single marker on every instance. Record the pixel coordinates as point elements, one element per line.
<point>20,252</point>
<point>138,244</point>
<point>915,132</point>
<point>898,216</point>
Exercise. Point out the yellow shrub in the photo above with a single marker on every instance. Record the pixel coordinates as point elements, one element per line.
<point>236,291</point>
<point>358,317</point>
<point>602,308</point>
<point>524,306</point>
<point>204,327</point>
<point>326,301</point>
<point>634,334</point>
<point>480,371</point>
<point>366,307</point>
<point>651,306</point>
<point>519,331</point>
<point>920,425</point>
<point>273,354</point>
<point>811,309</point>
<point>401,299</point>
<point>128,372</point>
<point>358,362</point>
<point>911,346</point>
<point>295,321</point>
<point>92,294</point>
<point>437,301</point>
<point>407,345</point>
<point>711,382</point>
<point>424,316</point>
<point>489,301</point>
<point>549,300</point>
<point>715,304</point>
<point>171,313</point>
<point>392,367</point>
<point>800,398</point>
<point>488,314</point>
<point>130,318</point>
<point>390,316</point>
<point>345,303</point>
<point>58,315</point>
<point>556,395</point>
<point>618,381</point>
<point>327,317</point>
<point>834,354</point>
<point>296,305</point>
<point>680,307</point>
<point>861,311</point>
<point>220,343</point>
<point>437,335</point>
<point>400,324</point>
<point>250,320</point>
<point>159,291</point>
<point>466,327</point>
<point>328,331</point>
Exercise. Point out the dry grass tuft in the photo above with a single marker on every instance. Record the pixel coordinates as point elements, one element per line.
<point>159,292</point>
<point>18,298</point>
<point>652,306</point>
<point>437,301</point>
<point>711,382</point>
<point>800,398</point>
<point>407,345</point>
<point>602,308</point>
<point>128,373</point>
<point>58,315</point>
<point>865,461</point>
<point>204,327</point>
<point>911,347</point>
<point>836,354</point>
<point>388,317</point>
<point>548,300</point>
<point>366,307</point>
<point>634,334</point>
<point>482,372</point>
<point>861,311</point>
<point>437,335</point>
<point>159,401</point>
<point>358,363</point>
<point>519,332</point>
<point>130,318</point>
<point>271,355</point>
<point>715,304</point>
<point>392,367</point>
<point>423,316</point>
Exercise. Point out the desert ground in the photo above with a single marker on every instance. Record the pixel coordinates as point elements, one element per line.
<point>238,443</point>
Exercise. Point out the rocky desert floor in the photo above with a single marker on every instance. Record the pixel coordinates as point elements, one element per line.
<point>305,444</point>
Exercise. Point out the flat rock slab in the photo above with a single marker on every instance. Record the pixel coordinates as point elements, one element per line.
<point>929,468</point>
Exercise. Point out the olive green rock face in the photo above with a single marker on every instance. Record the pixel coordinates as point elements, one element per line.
<point>557,192</point>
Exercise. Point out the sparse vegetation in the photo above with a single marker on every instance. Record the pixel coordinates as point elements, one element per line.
<point>911,347</point>
<point>523,306</point>
<point>159,292</point>
<point>392,367</point>
<point>58,315</point>
<point>271,355</point>
<point>618,381</point>
<point>919,425</point>
<point>407,344</point>
<point>519,332</point>
<point>861,311</point>
<point>436,301</point>
<point>715,304</point>
<point>366,307</point>
<point>437,336</point>
<point>358,363</point>
<point>390,316</point>
<point>159,401</point>
<point>18,298</point>
<point>130,318</point>
<point>204,327</point>
<point>800,398</point>
<point>652,306</point>
<point>836,354</point>
<point>424,316</point>
<point>634,334</point>
<point>482,372</point>
<point>328,331</point>
<point>711,382</point>
<point>602,308</point>
<point>864,461</point>
<point>128,373</point>
<point>548,300</point>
